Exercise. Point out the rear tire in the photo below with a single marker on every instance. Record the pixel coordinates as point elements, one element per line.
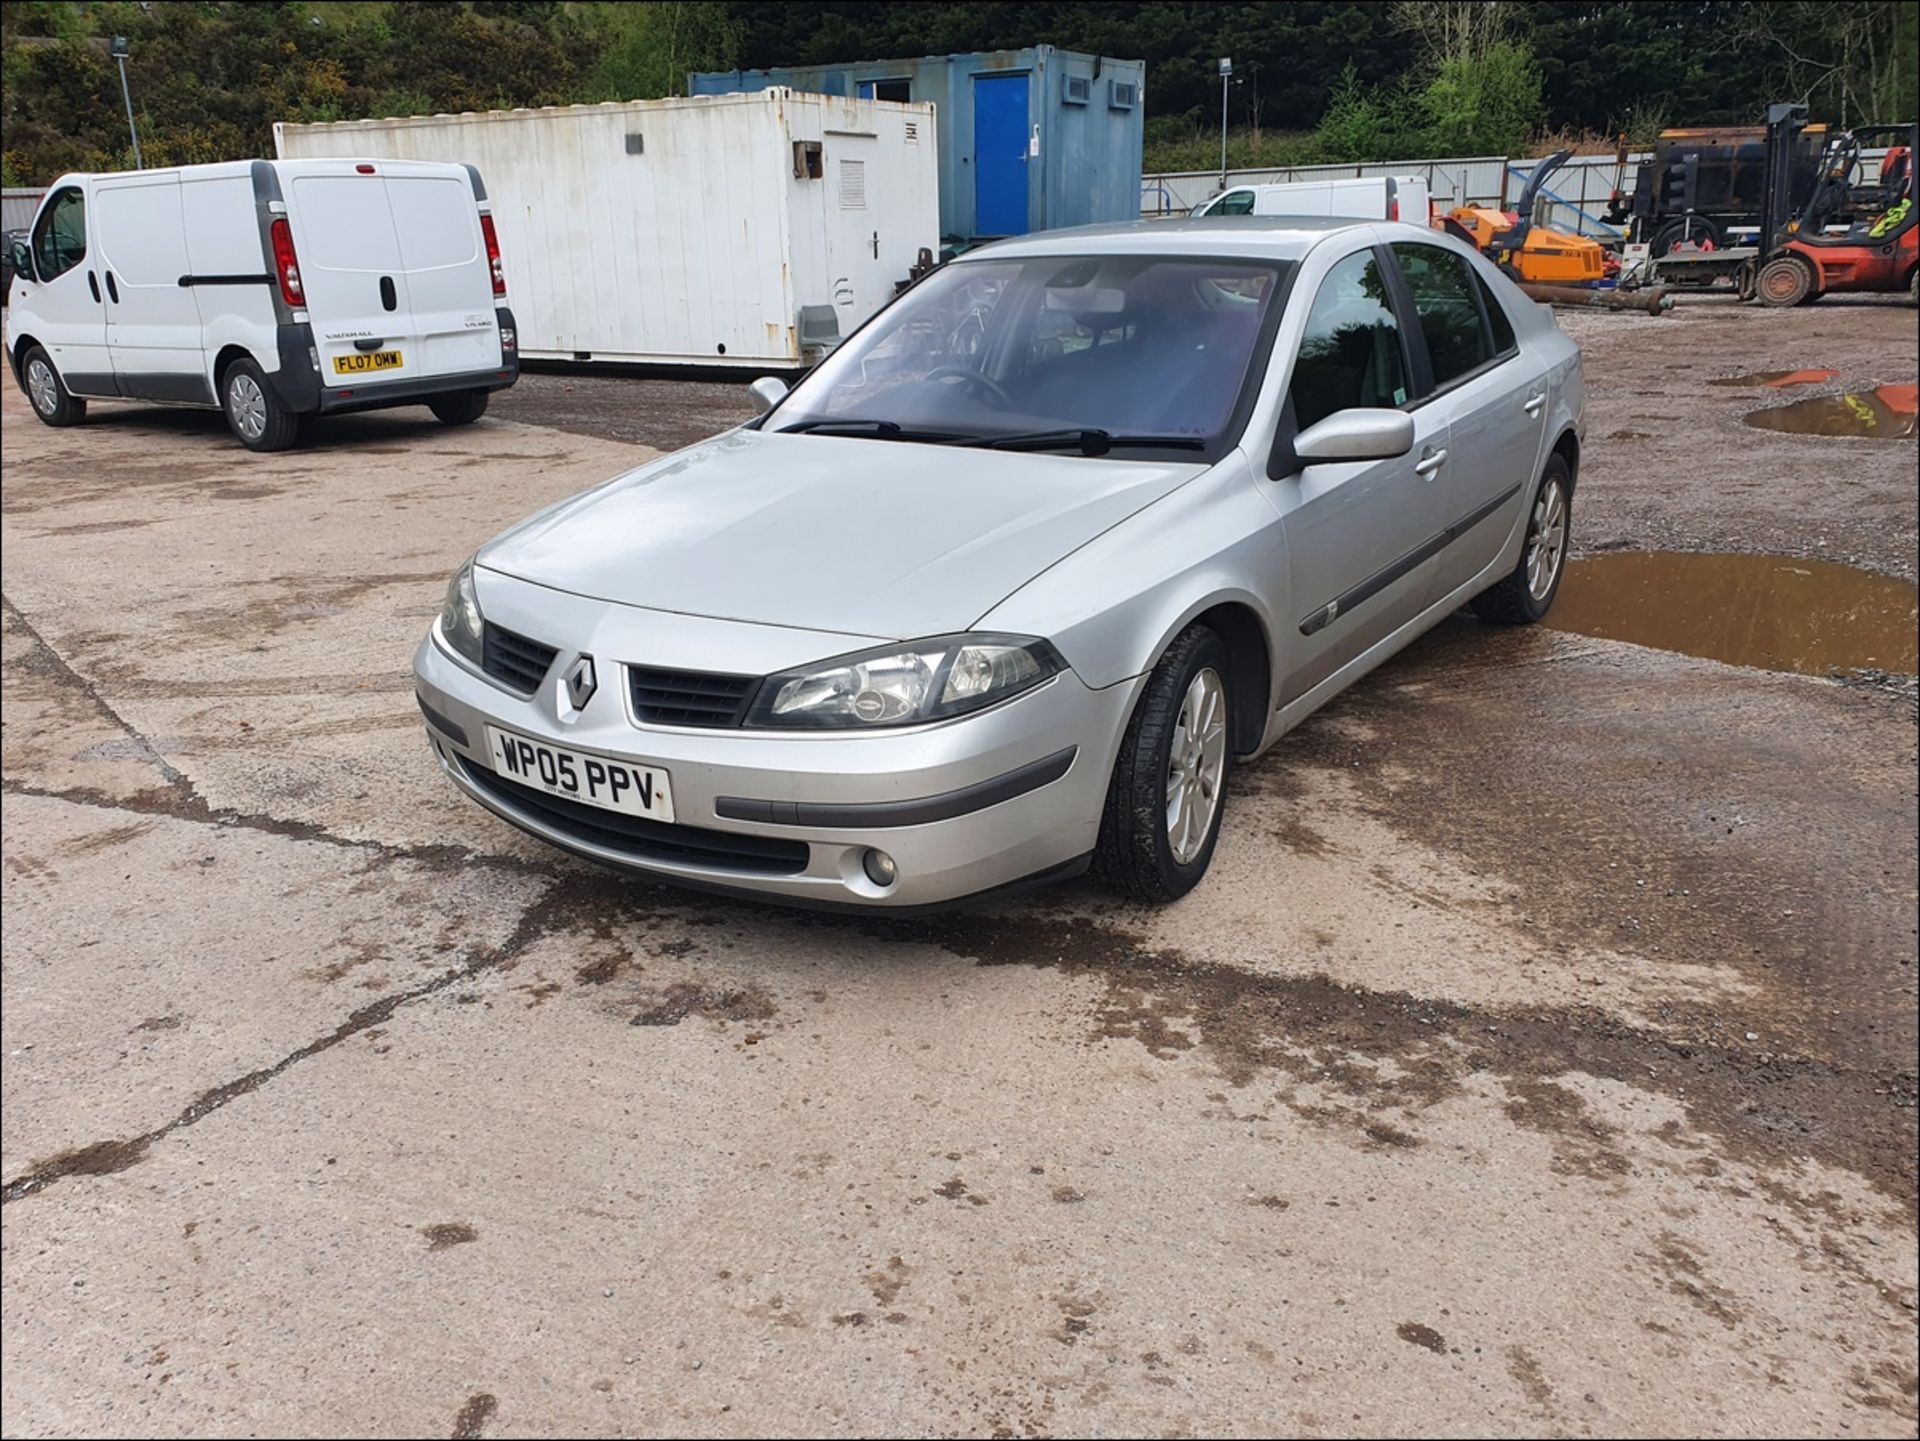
<point>463,407</point>
<point>1526,594</point>
<point>1784,281</point>
<point>47,392</point>
<point>1178,745</point>
<point>254,413</point>
<point>1676,231</point>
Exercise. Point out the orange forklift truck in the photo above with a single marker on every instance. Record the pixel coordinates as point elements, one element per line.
<point>1879,250</point>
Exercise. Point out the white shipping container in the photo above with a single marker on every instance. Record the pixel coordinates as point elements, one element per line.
<point>727,230</point>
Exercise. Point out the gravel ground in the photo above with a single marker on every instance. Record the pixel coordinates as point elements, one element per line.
<point>1539,1057</point>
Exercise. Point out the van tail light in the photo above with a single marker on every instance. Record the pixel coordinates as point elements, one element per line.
<point>494,267</point>
<point>286,264</point>
<point>1393,208</point>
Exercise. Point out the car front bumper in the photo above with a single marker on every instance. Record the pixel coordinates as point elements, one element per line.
<point>1016,790</point>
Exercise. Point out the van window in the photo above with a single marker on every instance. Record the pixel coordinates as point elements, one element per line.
<point>435,221</point>
<point>1234,202</point>
<point>1443,297</point>
<point>60,237</point>
<point>1350,354</point>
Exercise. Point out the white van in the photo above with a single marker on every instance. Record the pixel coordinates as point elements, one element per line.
<point>274,290</point>
<point>1370,197</point>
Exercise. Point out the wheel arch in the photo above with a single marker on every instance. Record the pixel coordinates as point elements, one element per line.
<point>17,356</point>
<point>1250,654</point>
<point>1567,447</point>
<point>222,362</point>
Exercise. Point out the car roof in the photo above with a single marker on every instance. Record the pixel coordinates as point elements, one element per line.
<point>1270,237</point>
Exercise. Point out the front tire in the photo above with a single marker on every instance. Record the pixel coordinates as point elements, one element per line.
<point>48,392</point>
<point>254,413</point>
<point>462,407</point>
<point>1168,792</point>
<point>1785,281</point>
<point>1526,594</point>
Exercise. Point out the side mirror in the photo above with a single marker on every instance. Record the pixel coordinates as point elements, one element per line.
<point>1357,434</point>
<point>22,259</point>
<point>768,392</point>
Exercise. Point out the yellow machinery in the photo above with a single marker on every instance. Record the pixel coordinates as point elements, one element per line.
<point>1529,252</point>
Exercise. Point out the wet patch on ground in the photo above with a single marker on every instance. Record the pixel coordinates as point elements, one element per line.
<point>1885,413</point>
<point>1771,612</point>
<point>1400,1053</point>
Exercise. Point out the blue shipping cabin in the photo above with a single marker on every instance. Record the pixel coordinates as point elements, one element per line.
<point>1029,139</point>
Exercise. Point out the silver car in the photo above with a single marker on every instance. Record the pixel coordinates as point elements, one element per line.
<point>1006,585</point>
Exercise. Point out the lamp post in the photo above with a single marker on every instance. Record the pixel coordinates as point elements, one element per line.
<point>1226,74</point>
<point>117,48</point>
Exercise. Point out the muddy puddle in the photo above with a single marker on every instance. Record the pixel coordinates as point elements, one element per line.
<point>1887,413</point>
<point>1779,379</point>
<point>1770,612</point>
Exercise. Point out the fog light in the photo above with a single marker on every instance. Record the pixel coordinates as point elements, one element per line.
<point>880,868</point>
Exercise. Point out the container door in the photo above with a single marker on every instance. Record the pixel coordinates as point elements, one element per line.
<point>448,282</point>
<point>153,321</point>
<point>1000,137</point>
<point>352,276</point>
<point>854,215</point>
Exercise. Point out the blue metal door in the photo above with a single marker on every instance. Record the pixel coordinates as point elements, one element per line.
<point>1000,155</point>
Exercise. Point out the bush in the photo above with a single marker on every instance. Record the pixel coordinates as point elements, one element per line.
<point>1483,107</point>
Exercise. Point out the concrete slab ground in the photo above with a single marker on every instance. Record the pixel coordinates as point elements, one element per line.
<point>1538,1058</point>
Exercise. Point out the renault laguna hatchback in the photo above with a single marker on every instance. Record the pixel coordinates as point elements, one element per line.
<point>1007,585</point>
<point>274,291</point>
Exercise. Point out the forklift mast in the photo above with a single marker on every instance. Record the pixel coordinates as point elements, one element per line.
<point>1784,124</point>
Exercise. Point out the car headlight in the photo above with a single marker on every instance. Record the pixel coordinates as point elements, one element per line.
<point>460,620</point>
<point>898,685</point>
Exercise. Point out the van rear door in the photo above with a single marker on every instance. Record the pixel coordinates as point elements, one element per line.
<point>351,274</point>
<point>394,269</point>
<point>449,281</point>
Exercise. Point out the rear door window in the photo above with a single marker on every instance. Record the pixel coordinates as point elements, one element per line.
<point>435,221</point>
<point>1503,339</point>
<point>1350,354</point>
<point>60,237</point>
<point>1447,302</point>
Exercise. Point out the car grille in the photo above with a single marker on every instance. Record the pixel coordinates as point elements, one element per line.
<point>644,839</point>
<point>690,697</point>
<point>514,660</point>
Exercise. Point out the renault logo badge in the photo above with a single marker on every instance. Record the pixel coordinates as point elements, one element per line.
<point>580,682</point>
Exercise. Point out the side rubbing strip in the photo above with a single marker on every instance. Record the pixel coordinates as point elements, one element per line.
<point>1412,560</point>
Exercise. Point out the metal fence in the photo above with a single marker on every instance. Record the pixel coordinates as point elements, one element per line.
<point>17,207</point>
<point>1574,200</point>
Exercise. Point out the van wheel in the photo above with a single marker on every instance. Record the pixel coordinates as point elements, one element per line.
<point>48,392</point>
<point>254,412</point>
<point>463,407</point>
<point>1527,593</point>
<point>1169,784</point>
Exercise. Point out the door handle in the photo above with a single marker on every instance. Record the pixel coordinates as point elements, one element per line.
<point>388,298</point>
<point>1536,404</point>
<point>1428,464</point>
<point>374,344</point>
<point>112,289</point>
<point>93,284</point>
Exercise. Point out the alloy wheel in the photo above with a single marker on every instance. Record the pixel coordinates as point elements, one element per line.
<point>1546,540</point>
<point>1197,765</point>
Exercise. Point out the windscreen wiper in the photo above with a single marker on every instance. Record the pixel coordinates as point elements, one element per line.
<point>879,429</point>
<point>1087,442</point>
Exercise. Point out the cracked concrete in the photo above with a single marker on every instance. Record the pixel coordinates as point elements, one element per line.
<point>1538,1059</point>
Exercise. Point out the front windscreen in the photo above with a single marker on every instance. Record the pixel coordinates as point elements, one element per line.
<point>1142,348</point>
